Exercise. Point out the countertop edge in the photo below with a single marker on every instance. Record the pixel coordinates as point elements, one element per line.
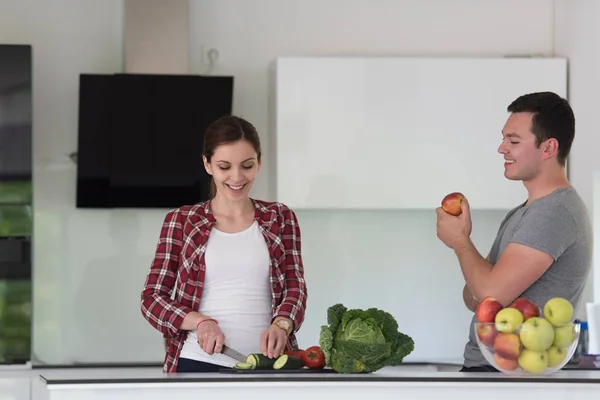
<point>467,378</point>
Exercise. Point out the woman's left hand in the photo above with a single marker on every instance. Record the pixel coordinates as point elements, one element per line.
<point>273,341</point>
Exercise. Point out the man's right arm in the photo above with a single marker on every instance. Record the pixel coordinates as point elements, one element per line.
<point>470,301</point>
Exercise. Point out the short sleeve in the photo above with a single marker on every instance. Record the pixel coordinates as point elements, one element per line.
<point>550,229</point>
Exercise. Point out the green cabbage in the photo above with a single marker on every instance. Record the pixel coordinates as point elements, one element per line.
<point>360,341</point>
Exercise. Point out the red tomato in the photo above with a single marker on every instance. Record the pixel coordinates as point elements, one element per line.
<point>314,358</point>
<point>296,353</point>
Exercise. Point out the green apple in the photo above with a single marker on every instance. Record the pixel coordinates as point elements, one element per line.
<point>508,320</point>
<point>558,311</point>
<point>536,334</point>
<point>564,335</point>
<point>556,356</point>
<point>533,361</point>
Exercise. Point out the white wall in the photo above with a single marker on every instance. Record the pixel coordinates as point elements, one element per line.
<point>249,35</point>
<point>77,251</point>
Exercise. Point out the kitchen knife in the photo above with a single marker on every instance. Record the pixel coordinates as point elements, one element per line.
<point>236,355</point>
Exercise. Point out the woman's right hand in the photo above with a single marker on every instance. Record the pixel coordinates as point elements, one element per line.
<point>210,337</point>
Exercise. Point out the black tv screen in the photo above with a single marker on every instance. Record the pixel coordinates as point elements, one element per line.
<point>140,138</point>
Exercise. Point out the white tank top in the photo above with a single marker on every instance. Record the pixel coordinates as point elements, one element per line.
<point>237,293</point>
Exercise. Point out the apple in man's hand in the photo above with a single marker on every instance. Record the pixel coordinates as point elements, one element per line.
<point>451,203</point>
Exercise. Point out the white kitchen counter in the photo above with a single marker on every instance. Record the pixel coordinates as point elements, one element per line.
<point>151,384</point>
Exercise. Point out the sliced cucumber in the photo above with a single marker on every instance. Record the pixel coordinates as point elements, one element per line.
<point>288,362</point>
<point>243,365</point>
<point>260,361</point>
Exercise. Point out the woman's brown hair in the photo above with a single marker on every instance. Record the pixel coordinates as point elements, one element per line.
<point>226,130</point>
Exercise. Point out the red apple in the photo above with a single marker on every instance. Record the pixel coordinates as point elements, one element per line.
<point>487,309</point>
<point>487,333</point>
<point>505,363</point>
<point>451,203</point>
<point>507,345</point>
<point>527,307</point>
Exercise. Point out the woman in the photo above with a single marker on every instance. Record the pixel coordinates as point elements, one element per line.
<point>234,264</point>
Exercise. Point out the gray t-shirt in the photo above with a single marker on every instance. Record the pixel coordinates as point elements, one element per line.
<point>559,225</point>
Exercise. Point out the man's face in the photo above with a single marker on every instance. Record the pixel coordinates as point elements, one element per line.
<point>522,158</point>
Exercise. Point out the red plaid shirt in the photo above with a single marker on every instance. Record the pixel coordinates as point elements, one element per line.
<point>179,267</point>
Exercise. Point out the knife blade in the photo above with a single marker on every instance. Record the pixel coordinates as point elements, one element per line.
<point>236,355</point>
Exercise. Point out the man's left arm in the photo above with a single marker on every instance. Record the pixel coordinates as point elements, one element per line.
<point>541,237</point>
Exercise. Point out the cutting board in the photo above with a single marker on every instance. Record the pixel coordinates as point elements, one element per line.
<point>277,371</point>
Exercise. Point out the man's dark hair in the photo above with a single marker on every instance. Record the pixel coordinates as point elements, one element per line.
<point>552,118</point>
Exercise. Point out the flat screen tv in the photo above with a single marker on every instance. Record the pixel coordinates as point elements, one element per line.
<point>140,138</point>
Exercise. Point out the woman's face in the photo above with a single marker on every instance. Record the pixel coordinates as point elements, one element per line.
<point>234,167</point>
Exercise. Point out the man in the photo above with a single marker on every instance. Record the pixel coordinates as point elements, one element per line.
<point>543,247</point>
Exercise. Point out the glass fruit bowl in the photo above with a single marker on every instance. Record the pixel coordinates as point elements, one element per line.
<point>518,344</point>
